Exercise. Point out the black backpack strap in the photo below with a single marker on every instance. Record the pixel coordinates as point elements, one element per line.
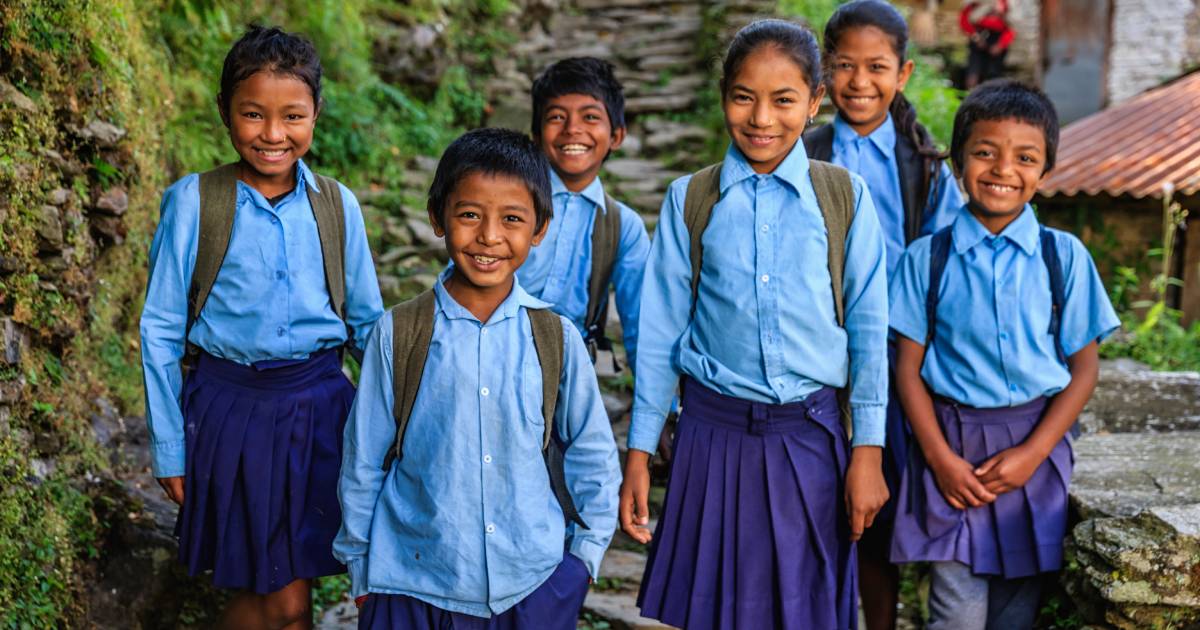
<point>910,174</point>
<point>548,342</point>
<point>818,143</point>
<point>606,243</point>
<point>1057,289</point>
<point>939,253</point>
<point>412,332</point>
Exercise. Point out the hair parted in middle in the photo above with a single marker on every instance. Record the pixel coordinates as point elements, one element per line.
<point>492,151</point>
<point>790,38</point>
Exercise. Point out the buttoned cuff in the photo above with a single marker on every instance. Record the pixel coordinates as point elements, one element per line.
<point>870,424</point>
<point>357,568</point>
<point>644,429</point>
<point>591,554</point>
<point>167,458</point>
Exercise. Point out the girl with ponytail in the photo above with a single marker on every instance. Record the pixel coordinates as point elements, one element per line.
<point>876,135</point>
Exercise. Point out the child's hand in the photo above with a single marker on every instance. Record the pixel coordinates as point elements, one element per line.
<point>634,510</point>
<point>956,479</point>
<point>173,486</point>
<point>1009,469</point>
<point>866,491</point>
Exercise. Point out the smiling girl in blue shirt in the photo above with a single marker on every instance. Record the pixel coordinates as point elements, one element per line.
<point>992,387</point>
<point>462,528</point>
<point>249,443</point>
<point>765,497</point>
<point>876,135</point>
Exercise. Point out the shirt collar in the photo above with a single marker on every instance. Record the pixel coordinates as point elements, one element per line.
<point>304,177</point>
<point>1023,231</point>
<point>594,192</point>
<point>516,299</point>
<point>884,136</point>
<point>793,169</point>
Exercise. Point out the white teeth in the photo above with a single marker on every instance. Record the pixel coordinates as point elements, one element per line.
<point>484,260</point>
<point>1000,188</point>
<point>274,153</point>
<point>574,149</point>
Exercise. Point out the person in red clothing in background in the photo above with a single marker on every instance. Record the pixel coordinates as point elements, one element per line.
<point>986,25</point>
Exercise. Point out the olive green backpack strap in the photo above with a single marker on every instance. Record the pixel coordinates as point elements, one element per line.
<point>218,203</point>
<point>331,230</point>
<point>606,243</point>
<point>548,342</point>
<point>412,332</point>
<point>835,196</point>
<point>703,192</point>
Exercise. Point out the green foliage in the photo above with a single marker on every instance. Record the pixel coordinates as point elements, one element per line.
<point>934,98</point>
<point>329,592</point>
<point>815,13</point>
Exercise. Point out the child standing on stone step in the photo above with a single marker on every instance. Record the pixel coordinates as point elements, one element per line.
<point>594,241</point>
<point>875,134</point>
<point>259,276</point>
<point>478,487</point>
<point>997,321</point>
<point>765,291</point>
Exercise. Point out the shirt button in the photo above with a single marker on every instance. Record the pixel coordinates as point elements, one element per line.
<point>491,528</point>
<point>484,392</point>
<point>766,228</point>
<point>280,331</point>
<point>1003,336</point>
<point>487,459</point>
<point>280,274</point>
<point>1012,388</point>
<point>765,278</point>
<point>275,220</point>
<point>483,332</point>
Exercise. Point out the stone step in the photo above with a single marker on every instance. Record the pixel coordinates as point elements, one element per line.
<point>1130,397</point>
<point>620,610</point>
<point>1121,474</point>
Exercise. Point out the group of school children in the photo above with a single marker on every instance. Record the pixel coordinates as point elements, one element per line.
<point>869,370</point>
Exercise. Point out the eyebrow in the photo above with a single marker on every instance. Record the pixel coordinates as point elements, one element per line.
<point>739,86</point>
<point>1023,147</point>
<point>300,104</point>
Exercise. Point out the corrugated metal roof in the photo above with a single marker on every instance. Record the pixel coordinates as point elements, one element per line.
<point>1134,148</point>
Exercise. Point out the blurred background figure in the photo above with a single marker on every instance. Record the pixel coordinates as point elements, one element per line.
<point>986,24</point>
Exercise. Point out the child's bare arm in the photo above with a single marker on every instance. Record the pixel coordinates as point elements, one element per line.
<point>1011,469</point>
<point>954,475</point>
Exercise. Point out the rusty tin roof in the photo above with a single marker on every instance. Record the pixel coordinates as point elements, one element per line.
<point>1135,148</point>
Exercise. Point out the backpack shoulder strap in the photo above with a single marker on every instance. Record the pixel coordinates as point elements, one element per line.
<point>910,174</point>
<point>703,192</point>
<point>331,229</point>
<point>835,195</point>
<point>548,342</point>
<point>606,243</point>
<point>939,253</point>
<point>218,204</point>
<point>1057,288</point>
<point>818,143</point>
<point>412,332</point>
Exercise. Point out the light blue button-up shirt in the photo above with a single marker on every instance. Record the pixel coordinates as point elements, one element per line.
<point>466,520</point>
<point>269,300</point>
<point>992,346</point>
<point>874,158</point>
<point>559,269</point>
<point>764,327</point>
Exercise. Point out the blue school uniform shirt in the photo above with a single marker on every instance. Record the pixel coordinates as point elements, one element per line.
<point>992,346</point>
<point>559,269</point>
<point>874,158</point>
<point>269,300</point>
<point>466,520</point>
<point>764,327</point>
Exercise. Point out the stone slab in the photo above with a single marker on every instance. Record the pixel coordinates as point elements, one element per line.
<point>620,609</point>
<point>1130,397</point>
<point>1121,474</point>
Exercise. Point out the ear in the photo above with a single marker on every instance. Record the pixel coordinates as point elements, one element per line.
<point>618,136</point>
<point>221,110</point>
<point>541,234</point>
<point>814,104</point>
<point>906,70</point>
<point>433,222</point>
<point>320,107</point>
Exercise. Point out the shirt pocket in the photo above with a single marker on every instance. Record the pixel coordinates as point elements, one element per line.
<point>531,393</point>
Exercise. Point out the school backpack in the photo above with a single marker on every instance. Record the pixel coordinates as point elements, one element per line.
<point>835,196</point>
<point>218,203</point>
<point>939,253</point>
<point>819,145</point>
<point>412,333</point>
<point>606,241</point>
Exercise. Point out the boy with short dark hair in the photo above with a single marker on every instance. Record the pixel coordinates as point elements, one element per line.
<point>999,319</point>
<point>594,241</point>
<point>477,449</point>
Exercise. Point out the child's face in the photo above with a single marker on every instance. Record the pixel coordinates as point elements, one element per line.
<point>490,222</point>
<point>270,120</point>
<point>767,105</point>
<point>865,76</point>
<point>576,135</point>
<point>1003,163</point>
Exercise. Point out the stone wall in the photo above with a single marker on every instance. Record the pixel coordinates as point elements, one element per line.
<point>1152,41</point>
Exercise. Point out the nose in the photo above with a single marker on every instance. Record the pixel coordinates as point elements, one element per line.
<point>858,79</point>
<point>573,125</point>
<point>1003,165</point>
<point>272,131</point>
<point>489,231</point>
<point>760,115</point>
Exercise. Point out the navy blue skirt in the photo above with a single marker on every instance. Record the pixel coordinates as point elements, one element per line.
<point>1020,533</point>
<point>754,532</point>
<point>264,446</point>
<point>554,605</point>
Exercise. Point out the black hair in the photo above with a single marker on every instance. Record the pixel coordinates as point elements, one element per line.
<point>270,49</point>
<point>492,151</point>
<point>1004,99</point>
<point>579,75</point>
<point>790,38</point>
<point>885,17</point>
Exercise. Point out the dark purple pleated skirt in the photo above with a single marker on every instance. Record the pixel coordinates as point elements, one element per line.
<point>1019,534</point>
<point>263,450</point>
<point>554,605</point>
<point>754,532</point>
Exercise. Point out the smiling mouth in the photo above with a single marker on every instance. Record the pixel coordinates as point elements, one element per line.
<point>999,188</point>
<point>574,149</point>
<point>270,154</point>
<point>860,100</point>
<point>760,141</point>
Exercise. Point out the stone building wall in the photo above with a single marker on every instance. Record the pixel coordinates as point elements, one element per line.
<point>1152,41</point>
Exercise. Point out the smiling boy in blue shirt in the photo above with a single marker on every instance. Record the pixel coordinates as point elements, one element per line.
<point>454,519</point>
<point>997,321</point>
